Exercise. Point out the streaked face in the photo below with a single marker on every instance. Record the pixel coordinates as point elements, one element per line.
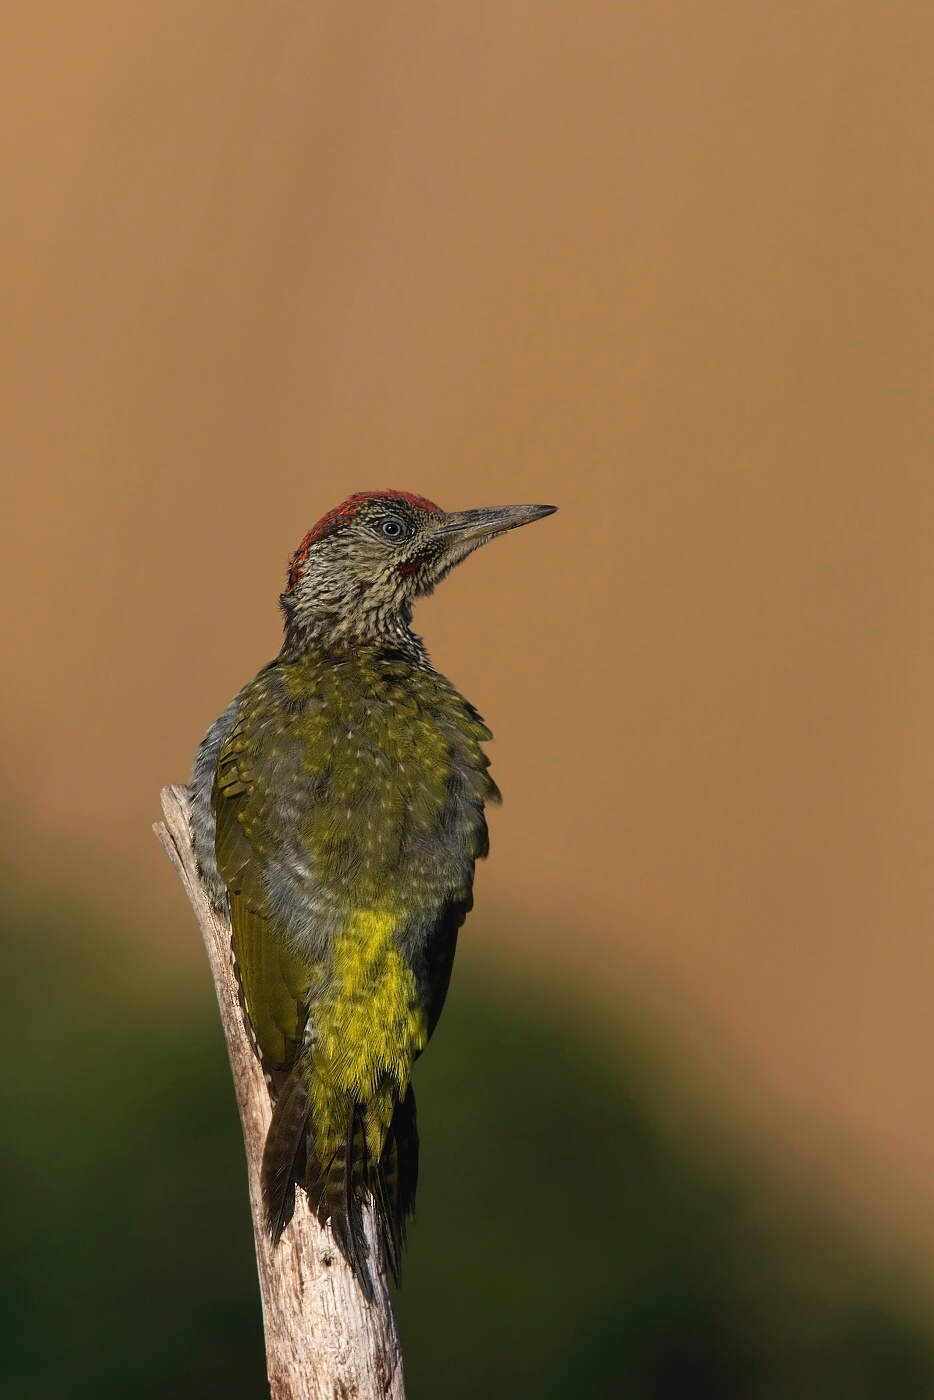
<point>397,544</point>
<point>357,573</point>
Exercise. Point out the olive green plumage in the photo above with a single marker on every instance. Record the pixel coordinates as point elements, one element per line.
<point>359,771</point>
<point>338,812</point>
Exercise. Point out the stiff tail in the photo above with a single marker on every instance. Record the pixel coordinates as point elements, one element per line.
<point>284,1155</point>
<point>338,1188</point>
<point>392,1183</point>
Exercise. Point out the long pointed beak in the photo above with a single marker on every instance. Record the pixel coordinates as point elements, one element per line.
<point>478,526</point>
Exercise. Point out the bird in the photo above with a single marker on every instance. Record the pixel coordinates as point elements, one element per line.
<point>337,813</point>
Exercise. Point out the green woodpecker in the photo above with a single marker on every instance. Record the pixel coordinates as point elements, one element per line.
<point>337,813</point>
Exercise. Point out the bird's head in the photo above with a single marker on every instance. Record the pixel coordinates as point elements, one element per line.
<point>358,571</point>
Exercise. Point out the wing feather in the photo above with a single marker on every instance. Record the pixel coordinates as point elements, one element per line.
<point>274,976</point>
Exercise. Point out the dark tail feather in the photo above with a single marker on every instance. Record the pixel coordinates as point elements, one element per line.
<point>284,1154</point>
<point>394,1179</point>
<point>338,1191</point>
<point>338,1188</point>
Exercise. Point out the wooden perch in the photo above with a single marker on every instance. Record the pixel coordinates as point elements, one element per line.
<point>323,1340</point>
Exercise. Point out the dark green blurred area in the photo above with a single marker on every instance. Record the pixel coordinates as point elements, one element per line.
<point>567,1245</point>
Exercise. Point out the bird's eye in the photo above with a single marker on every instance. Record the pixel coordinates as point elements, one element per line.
<point>392,528</point>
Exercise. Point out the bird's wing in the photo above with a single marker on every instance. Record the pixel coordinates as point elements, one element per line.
<point>439,955</point>
<point>274,977</point>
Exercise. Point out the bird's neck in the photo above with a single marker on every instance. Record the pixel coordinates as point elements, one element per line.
<point>327,627</point>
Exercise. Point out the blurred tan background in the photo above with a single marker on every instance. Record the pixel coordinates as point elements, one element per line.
<point>668,266</point>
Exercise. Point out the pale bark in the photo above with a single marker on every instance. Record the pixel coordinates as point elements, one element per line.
<point>324,1341</point>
